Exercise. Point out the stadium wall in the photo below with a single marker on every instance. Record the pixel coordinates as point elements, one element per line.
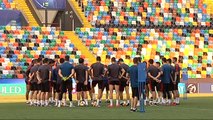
<point>13,87</point>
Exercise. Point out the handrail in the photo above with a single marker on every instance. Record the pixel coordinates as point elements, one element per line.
<point>75,11</point>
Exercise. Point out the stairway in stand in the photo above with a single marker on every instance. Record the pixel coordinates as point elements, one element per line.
<point>86,23</point>
<point>22,6</point>
<point>80,46</point>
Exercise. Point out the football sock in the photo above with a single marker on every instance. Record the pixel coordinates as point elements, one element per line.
<point>117,102</point>
<point>78,102</point>
<point>111,102</point>
<point>86,101</point>
<point>98,100</point>
<point>71,104</point>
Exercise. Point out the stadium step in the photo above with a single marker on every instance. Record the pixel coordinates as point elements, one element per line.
<point>81,14</point>
<point>80,46</point>
<point>22,6</point>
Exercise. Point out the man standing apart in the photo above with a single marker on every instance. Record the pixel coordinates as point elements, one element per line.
<point>133,73</point>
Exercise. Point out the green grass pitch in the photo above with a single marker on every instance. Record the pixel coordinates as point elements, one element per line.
<point>192,108</point>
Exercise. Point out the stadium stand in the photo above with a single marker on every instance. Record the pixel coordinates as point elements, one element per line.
<point>19,45</point>
<point>193,47</point>
<point>151,29</point>
<point>147,13</point>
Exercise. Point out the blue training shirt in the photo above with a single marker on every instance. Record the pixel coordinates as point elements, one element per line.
<point>133,73</point>
<point>66,69</point>
<point>167,70</point>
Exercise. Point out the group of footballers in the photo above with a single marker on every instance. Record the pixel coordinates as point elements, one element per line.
<point>50,81</point>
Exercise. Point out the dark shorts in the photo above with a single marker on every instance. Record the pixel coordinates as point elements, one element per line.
<point>105,85</point>
<point>51,86</point>
<point>167,87</point>
<point>123,85</point>
<point>45,86</point>
<point>89,86</point>
<point>81,87</point>
<point>114,82</point>
<point>66,85</point>
<point>99,82</point>
<point>174,86</point>
<point>34,86</point>
<point>154,84</point>
<point>57,87</point>
<point>135,92</point>
<point>39,87</point>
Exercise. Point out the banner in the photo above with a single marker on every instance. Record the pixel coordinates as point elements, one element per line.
<point>206,88</point>
<point>51,4</point>
<point>12,87</point>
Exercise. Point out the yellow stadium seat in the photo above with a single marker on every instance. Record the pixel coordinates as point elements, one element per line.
<point>43,29</point>
<point>127,61</point>
<point>39,48</point>
<point>205,49</point>
<point>40,36</point>
<point>142,22</point>
<point>56,33</point>
<point>32,52</point>
<point>13,5</point>
<point>21,32</point>
<point>12,40</point>
<point>31,44</point>
<point>58,52</point>
<point>126,41</point>
<point>183,10</point>
<point>121,18</point>
<point>8,28</point>
<point>129,53</point>
<point>203,72</point>
<point>83,29</point>
<point>115,29</point>
<point>102,21</point>
<point>131,14</point>
<point>93,41</point>
<point>20,56</point>
<point>144,14</point>
<point>186,19</point>
<point>5,44</point>
<point>133,34</point>
<point>180,31</point>
<point>95,14</point>
<point>128,4</point>
<point>211,31</point>
<point>194,23</point>
<point>187,5</point>
<point>58,41</point>
<point>72,56</point>
<point>119,38</point>
<point>201,38</point>
<point>106,8</point>
<point>10,64</point>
